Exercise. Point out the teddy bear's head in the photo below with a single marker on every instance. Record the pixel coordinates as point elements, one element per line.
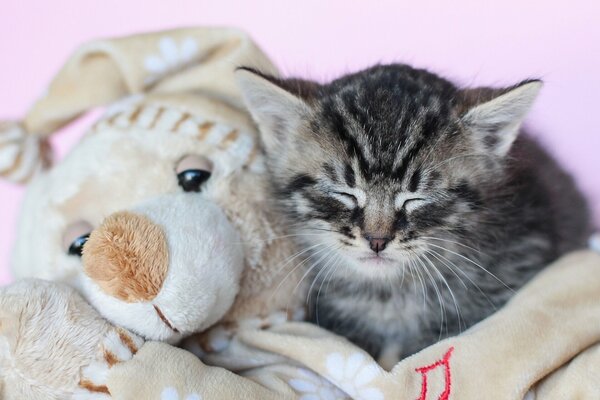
<point>141,216</point>
<point>159,211</point>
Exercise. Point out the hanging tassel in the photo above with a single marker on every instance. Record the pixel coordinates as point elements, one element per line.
<point>22,155</point>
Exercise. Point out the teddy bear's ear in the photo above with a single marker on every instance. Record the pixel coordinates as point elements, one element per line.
<point>22,155</point>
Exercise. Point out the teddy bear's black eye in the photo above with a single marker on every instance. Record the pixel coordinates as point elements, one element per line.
<point>76,247</point>
<point>191,180</point>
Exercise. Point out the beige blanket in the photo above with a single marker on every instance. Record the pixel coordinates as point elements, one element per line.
<point>544,344</point>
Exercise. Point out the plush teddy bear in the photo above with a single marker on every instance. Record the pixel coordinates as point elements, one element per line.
<point>159,216</point>
<point>169,181</point>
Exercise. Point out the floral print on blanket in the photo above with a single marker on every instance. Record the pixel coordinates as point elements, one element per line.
<point>354,374</point>
<point>311,386</point>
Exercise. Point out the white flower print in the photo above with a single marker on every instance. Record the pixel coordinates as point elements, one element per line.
<point>172,56</point>
<point>311,386</point>
<point>353,375</point>
<point>170,393</point>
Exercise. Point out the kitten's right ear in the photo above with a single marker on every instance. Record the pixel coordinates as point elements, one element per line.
<point>277,112</point>
<point>497,116</point>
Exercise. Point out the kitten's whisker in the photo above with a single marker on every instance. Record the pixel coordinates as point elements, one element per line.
<point>290,259</point>
<point>418,273</point>
<point>413,275</point>
<point>438,294</point>
<point>474,263</point>
<point>454,242</point>
<point>315,264</point>
<point>325,265</point>
<point>327,276</point>
<point>403,272</point>
<point>465,275</point>
<point>326,230</point>
<point>433,253</point>
<point>297,254</point>
<point>445,281</point>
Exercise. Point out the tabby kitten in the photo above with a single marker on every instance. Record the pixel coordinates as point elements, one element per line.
<point>423,207</point>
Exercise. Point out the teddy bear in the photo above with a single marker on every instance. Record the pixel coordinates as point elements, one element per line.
<point>168,180</point>
<point>159,216</point>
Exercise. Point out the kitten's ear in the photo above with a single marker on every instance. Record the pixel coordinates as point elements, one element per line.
<point>276,110</point>
<point>497,121</point>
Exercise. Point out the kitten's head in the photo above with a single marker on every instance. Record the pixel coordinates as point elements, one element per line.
<point>373,166</point>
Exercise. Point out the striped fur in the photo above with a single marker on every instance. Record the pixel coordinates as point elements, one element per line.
<point>400,153</point>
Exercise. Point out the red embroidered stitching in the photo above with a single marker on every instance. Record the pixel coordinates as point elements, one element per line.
<point>445,361</point>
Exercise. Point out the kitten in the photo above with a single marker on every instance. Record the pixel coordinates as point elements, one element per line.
<point>423,207</point>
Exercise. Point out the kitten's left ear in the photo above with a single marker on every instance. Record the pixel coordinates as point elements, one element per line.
<point>276,110</point>
<point>496,122</point>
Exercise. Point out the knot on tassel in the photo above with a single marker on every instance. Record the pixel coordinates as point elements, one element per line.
<point>22,154</point>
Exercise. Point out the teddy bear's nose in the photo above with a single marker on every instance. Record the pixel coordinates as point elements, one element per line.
<point>127,256</point>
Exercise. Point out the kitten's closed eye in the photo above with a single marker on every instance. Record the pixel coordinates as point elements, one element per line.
<point>348,199</point>
<point>404,202</point>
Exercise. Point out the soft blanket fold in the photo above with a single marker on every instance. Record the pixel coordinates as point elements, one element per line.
<point>543,344</point>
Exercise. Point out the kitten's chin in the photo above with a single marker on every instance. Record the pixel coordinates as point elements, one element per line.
<point>376,266</point>
<point>377,261</point>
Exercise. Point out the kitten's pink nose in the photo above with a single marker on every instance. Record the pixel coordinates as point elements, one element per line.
<point>377,243</point>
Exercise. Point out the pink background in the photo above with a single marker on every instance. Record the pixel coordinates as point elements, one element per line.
<point>469,41</point>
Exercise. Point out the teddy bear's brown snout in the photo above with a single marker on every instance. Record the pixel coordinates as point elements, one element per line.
<point>127,256</point>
